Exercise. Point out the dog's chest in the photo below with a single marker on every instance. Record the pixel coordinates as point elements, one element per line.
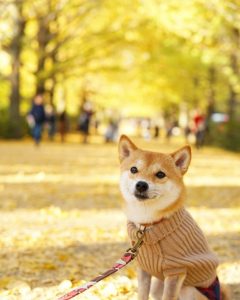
<point>175,246</point>
<point>150,259</point>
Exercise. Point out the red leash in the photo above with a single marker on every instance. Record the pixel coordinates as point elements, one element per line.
<point>127,257</point>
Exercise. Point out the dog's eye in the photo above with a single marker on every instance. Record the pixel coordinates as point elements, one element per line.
<point>160,174</point>
<point>134,170</point>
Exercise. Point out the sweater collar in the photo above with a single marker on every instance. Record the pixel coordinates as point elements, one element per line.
<point>151,224</point>
<point>159,231</point>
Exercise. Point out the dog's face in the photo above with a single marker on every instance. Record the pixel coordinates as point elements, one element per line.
<point>150,182</point>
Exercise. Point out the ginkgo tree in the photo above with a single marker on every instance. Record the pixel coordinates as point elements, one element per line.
<point>148,56</point>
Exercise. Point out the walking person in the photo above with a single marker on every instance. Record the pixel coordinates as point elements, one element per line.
<point>200,128</point>
<point>63,124</point>
<point>36,118</point>
<point>50,121</point>
<point>111,131</point>
<point>85,116</point>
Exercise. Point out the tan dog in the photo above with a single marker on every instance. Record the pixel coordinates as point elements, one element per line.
<point>175,261</point>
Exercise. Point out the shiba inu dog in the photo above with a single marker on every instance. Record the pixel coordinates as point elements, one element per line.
<point>175,261</point>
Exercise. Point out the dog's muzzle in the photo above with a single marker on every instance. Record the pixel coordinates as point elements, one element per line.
<point>141,189</point>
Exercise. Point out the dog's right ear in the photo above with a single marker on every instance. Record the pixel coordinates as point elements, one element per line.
<point>125,147</point>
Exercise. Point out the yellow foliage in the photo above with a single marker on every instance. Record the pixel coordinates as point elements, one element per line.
<point>63,228</point>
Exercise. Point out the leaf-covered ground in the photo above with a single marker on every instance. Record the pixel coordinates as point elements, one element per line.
<point>62,222</point>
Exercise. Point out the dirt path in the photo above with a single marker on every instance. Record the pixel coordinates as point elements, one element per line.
<point>61,218</point>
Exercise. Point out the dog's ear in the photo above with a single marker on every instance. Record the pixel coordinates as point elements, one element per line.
<point>125,147</point>
<point>182,158</point>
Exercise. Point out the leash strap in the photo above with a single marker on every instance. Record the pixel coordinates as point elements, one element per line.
<point>127,257</point>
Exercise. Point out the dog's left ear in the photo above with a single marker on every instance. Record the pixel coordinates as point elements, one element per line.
<point>125,147</point>
<point>182,158</point>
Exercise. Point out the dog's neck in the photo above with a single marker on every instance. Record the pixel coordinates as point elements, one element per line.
<point>147,213</point>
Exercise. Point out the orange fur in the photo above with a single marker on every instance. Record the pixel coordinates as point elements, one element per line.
<point>148,164</point>
<point>164,196</point>
<point>226,293</point>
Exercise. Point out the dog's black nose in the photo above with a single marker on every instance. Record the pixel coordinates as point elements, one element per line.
<point>141,186</point>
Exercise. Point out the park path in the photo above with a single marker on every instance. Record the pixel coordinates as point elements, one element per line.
<point>61,217</point>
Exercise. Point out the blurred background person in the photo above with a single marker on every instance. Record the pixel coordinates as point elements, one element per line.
<point>199,128</point>
<point>111,133</point>
<point>36,118</point>
<point>84,119</point>
<point>50,121</point>
<point>146,128</point>
<point>171,123</point>
<point>63,124</point>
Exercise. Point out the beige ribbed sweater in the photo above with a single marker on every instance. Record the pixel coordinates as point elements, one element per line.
<point>174,246</point>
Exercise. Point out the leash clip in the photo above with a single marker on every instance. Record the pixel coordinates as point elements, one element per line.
<point>139,235</point>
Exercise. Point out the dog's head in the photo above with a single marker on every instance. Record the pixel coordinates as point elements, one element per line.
<point>151,183</point>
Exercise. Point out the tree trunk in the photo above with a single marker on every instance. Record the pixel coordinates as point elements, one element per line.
<point>232,103</point>
<point>211,95</point>
<point>51,91</point>
<point>196,87</point>
<point>43,39</point>
<point>15,97</point>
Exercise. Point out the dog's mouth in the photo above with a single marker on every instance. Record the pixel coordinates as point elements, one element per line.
<point>141,196</point>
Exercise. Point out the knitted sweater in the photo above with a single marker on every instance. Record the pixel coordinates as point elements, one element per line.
<point>174,246</point>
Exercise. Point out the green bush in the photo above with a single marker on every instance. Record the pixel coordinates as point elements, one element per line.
<point>11,128</point>
<point>225,135</point>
